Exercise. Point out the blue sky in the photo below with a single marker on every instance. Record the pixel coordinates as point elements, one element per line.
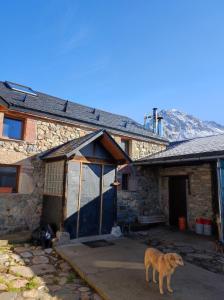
<point>123,56</point>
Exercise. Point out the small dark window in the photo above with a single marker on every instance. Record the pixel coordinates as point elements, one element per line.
<point>8,179</point>
<point>125,145</point>
<point>124,183</point>
<point>13,128</point>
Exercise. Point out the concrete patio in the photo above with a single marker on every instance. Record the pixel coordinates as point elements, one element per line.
<point>116,272</point>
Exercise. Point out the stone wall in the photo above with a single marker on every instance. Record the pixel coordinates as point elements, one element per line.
<point>199,197</point>
<point>140,149</point>
<point>142,195</point>
<point>22,210</point>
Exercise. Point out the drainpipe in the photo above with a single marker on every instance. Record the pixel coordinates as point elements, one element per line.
<point>221,206</point>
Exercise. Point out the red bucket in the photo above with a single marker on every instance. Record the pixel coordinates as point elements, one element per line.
<point>182,223</point>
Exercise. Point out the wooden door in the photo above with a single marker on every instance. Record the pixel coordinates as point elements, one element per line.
<point>177,199</point>
<point>89,214</point>
<point>108,199</point>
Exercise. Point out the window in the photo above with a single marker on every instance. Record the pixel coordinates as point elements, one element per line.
<point>54,177</point>
<point>124,183</point>
<point>8,179</point>
<point>20,88</point>
<point>13,128</point>
<point>125,145</point>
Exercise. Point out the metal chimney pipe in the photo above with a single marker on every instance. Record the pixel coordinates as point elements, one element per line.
<point>145,120</point>
<point>160,126</point>
<point>155,119</point>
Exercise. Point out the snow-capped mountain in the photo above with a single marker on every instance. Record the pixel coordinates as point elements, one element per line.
<point>180,126</point>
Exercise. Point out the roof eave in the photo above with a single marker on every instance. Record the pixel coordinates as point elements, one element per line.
<point>177,159</point>
<point>15,107</point>
<point>3,102</point>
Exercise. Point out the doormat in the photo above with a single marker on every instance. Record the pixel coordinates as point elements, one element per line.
<point>98,244</point>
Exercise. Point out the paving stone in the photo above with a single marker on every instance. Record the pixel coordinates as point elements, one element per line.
<point>3,257</point>
<point>70,286</point>
<point>63,274</point>
<point>48,250</point>
<point>199,256</point>
<point>8,296</point>
<point>16,257</point>
<point>26,254</point>
<point>37,252</point>
<point>62,280</point>
<point>7,277</point>
<point>65,266</point>
<point>43,269</point>
<point>20,249</point>
<point>40,259</point>
<point>3,287</point>
<point>84,289</point>
<point>54,288</point>
<point>186,249</point>
<point>3,269</point>
<point>18,283</point>
<point>22,271</point>
<point>31,294</point>
<point>85,296</point>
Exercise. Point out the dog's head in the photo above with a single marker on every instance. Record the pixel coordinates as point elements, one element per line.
<point>175,260</point>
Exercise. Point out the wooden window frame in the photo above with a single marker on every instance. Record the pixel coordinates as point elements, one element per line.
<point>17,176</point>
<point>23,120</point>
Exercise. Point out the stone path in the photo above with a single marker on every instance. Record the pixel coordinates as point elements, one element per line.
<point>204,257</point>
<point>28,272</point>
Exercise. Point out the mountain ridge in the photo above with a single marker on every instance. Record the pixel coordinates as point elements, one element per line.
<point>179,125</point>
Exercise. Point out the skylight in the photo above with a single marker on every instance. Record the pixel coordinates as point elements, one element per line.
<point>20,88</point>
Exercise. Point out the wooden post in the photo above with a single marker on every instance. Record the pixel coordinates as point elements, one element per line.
<point>79,199</point>
<point>64,195</point>
<point>101,199</point>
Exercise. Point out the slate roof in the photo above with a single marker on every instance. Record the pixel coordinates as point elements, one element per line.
<point>68,149</point>
<point>56,108</point>
<point>197,148</point>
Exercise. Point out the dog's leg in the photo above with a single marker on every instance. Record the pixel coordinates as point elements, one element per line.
<point>154,275</point>
<point>147,272</point>
<point>168,283</point>
<point>161,283</point>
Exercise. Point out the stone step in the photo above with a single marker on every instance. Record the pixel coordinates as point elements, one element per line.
<point>15,238</point>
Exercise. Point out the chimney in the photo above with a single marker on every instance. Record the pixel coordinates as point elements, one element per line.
<point>160,126</point>
<point>155,120</point>
<point>145,120</point>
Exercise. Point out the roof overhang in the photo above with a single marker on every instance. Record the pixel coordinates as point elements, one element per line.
<point>3,102</point>
<point>119,156</point>
<point>199,157</point>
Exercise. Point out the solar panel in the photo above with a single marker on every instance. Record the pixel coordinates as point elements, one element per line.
<point>20,88</point>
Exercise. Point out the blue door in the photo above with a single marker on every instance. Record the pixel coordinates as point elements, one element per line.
<point>108,199</point>
<point>89,214</point>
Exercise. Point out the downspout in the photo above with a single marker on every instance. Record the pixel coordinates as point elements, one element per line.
<point>221,213</point>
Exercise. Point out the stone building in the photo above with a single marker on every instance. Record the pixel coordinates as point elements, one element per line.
<point>47,144</point>
<point>189,180</point>
<point>32,123</point>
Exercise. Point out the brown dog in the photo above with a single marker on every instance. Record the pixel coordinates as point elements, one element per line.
<point>164,264</point>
